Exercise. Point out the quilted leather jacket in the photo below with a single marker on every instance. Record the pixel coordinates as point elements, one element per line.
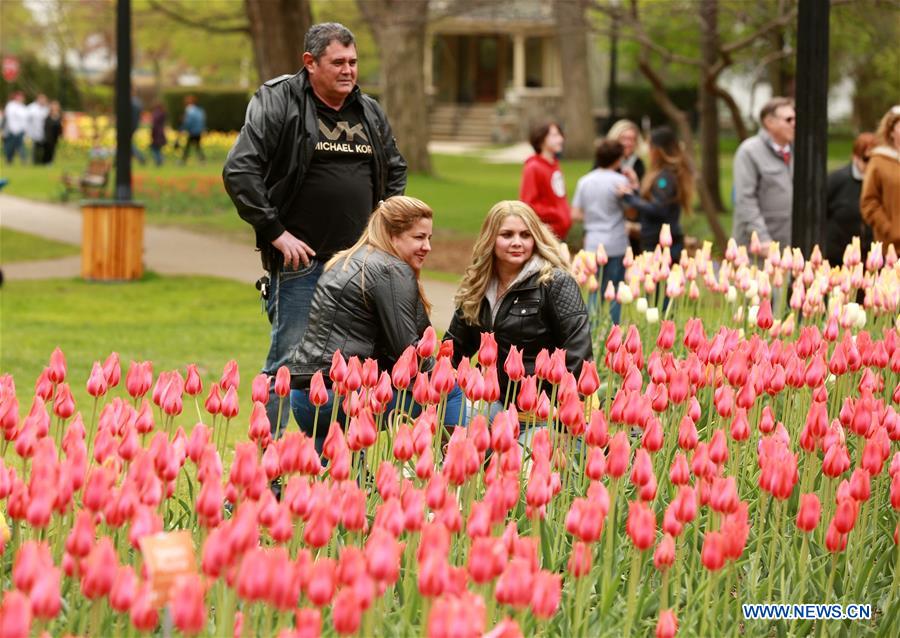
<point>368,306</point>
<point>268,162</point>
<point>531,316</point>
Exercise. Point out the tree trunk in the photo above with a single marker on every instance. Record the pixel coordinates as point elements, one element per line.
<point>399,30</point>
<point>737,119</point>
<point>572,29</point>
<point>709,108</point>
<point>277,28</point>
<point>683,125</point>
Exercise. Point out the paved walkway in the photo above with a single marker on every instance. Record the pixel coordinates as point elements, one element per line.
<point>168,251</point>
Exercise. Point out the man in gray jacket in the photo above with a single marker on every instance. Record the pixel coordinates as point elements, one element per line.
<point>764,178</point>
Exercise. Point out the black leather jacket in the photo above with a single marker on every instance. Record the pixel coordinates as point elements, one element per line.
<point>531,316</point>
<point>368,306</point>
<point>266,166</point>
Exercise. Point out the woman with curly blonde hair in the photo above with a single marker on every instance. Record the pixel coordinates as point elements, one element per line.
<point>519,288</point>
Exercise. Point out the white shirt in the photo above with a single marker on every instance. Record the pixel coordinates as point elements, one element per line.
<point>16,116</point>
<point>37,114</point>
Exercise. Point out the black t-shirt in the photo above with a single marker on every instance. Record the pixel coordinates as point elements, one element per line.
<point>335,199</point>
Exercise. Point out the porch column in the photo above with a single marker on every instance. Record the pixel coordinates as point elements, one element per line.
<point>518,62</point>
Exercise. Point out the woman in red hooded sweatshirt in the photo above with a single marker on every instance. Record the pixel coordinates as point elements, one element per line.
<point>543,187</point>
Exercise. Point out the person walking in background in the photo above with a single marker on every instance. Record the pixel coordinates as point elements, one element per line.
<point>880,199</point>
<point>37,114</point>
<point>764,178</point>
<point>597,203</point>
<point>15,121</point>
<point>53,129</point>
<point>194,124</point>
<point>157,132</point>
<point>843,220</point>
<point>543,186</point>
<point>137,108</point>
<point>666,191</point>
<point>311,163</point>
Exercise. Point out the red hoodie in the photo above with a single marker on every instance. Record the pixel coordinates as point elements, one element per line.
<point>544,189</point>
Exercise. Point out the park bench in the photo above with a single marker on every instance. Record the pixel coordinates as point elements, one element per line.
<point>92,183</point>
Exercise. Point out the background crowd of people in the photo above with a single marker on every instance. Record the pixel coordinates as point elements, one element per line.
<point>38,125</point>
<point>863,198</point>
<point>32,132</point>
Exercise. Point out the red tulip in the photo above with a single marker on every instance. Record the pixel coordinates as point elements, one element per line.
<point>15,613</point>
<point>283,382</point>
<point>186,604</point>
<point>64,403</point>
<point>836,461</point>
<point>143,614</point>
<point>641,525</point>
<point>618,455</point>
<point>664,556</point>
<point>667,625</point>
<point>809,512</point>
<point>230,405</point>
<point>81,539</point>
<point>57,368</point>
<point>318,393</point>
<point>487,352</point>
<point>764,318</point>
<point>546,594</point>
<point>835,541</point>
<point>383,554</point>
<point>427,344</point>
<point>259,389</point>
<point>96,385</point>
<point>31,561</point>
<point>231,377</point>
<point>514,366</point>
<point>588,380</point>
<point>46,599</point>
<point>99,570</point>
<point>713,553</point>
<point>124,590</point>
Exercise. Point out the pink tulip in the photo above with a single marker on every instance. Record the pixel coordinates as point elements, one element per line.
<point>56,371</point>
<point>193,385</point>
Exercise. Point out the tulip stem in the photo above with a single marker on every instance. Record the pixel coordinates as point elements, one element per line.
<point>630,611</point>
<point>770,575</point>
<point>608,542</point>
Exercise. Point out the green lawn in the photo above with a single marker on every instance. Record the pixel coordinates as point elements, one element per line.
<point>16,246</point>
<point>461,190</point>
<point>172,321</point>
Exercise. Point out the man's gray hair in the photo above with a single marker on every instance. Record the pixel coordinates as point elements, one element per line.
<point>321,35</point>
<point>773,105</point>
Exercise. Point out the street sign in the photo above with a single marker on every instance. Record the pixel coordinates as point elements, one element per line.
<point>10,68</point>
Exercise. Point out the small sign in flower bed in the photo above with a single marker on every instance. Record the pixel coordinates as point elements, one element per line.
<point>734,443</point>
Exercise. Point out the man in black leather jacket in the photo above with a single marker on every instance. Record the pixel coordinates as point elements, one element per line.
<point>314,157</point>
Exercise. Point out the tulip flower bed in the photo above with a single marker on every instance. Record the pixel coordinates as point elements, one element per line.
<point>715,455</point>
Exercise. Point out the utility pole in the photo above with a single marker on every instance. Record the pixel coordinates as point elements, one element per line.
<point>811,142</point>
<point>124,125</point>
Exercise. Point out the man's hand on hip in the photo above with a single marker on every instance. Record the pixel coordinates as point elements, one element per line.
<point>295,251</point>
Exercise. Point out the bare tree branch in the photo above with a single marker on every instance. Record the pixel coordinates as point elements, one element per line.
<point>179,14</point>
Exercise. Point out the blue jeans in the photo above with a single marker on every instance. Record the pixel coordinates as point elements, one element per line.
<point>14,143</point>
<point>157,154</point>
<point>305,412</point>
<point>290,300</point>
<point>613,271</point>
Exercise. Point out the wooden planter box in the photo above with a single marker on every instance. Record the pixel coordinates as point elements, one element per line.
<point>112,240</point>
